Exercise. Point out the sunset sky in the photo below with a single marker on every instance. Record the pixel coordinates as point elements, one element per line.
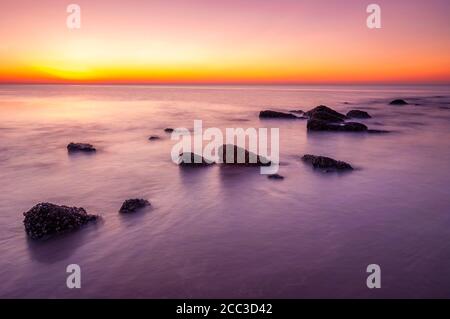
<point>233,41</point>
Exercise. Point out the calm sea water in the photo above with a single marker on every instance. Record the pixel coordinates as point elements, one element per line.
<point>221,232</point>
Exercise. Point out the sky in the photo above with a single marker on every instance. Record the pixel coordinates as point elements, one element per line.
<point>233,41</point>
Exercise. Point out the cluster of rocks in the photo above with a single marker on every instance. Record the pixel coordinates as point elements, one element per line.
<point>45,220</point>
<point>230,154</point>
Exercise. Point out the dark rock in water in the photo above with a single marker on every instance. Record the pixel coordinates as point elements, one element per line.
<point>46,219</point>
<point>80,147</point>
<point>234,155</point>
<point>325,116</point>
<point>154,137</point>
<point>192,159</point>
<point>318,125</point>
<point>275,176</point>
<point>323,111</point>
<point>352,127</point>
<point>132,205</point>
<point>276,115</point>
<point>358,114</point>
<point>169,130</point>
<point>326,163</point>
<point>398,102</point>
<point>297,111</point>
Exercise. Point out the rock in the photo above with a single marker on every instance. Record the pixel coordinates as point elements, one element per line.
<point>276,115</point>
<point>80,147</point>
<point>398,102</point>
<point>326,163</point>
<point>192,159</point>
<point>275,176</point>
<point>352,127</point>
<point>169,130</point>
<point>46,219</point>
<point>358,114</point>
<point>297,111</point>
<point>324,111</point>
<point>318,125</point>
<point>325,116</point>
<point>234,155</point>
<point>133,205</point>
<point>153,138</point>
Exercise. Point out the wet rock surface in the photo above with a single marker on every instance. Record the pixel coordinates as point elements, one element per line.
<point>358,114</point>
<point>268,114</point>
<point>133,205</point>
<point>326,163</point>
<point>235,155</point>
<point>319,125</point>
<point>80,147</point>
<point>46,219</point>
<point>325,113</point>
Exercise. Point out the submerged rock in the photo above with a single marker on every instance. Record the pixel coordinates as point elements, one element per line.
<point>154,137</point>
<point>398,102</point>
<point>192,159</point>
<point>276,115</point>
<point>326,163</point>
<point>325,113</point>
<point>133,205</point>
<point>80,147</point>
<point>319,125</point>
<point>358,114</point>
<point>275,176</point>
<point>46,219</point>
<point>234,155</point>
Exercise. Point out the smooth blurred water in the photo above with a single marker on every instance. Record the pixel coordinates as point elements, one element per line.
<point>226,232</point>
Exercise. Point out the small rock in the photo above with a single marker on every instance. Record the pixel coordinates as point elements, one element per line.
<point>80,147</point>
<point>398,102</point>
<point>169,130</point>
<point>133,205</point>
<point>46,219</point>
<point>326,163</point>
<point>358,114</point>
<point>276,115</point>
<point>275,176</point>
<point>234,155</point>
<point>154,137</point>
<point>192,159</point>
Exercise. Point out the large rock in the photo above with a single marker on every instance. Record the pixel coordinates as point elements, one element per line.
<point>80,147</point>
<point>234,155</point>
<point>46,219</point>
<point>192,159</point>
<point>358,114</point>
<point>326,163</point>
<point>276,115</point>
<point>133,205</point>
<point>398,102</point>
<point>323,112</point>
<point>319,125</point>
